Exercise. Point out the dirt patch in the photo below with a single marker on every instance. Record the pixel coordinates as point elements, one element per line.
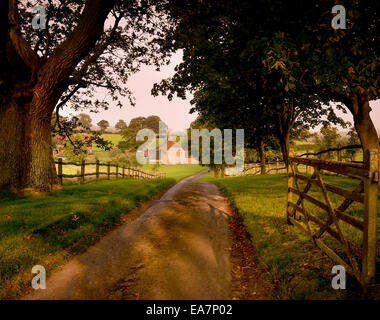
<point>249,281</point>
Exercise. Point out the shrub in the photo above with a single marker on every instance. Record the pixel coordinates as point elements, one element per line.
<point>76,151</point>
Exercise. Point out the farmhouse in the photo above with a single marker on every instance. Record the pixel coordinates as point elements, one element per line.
<point>174,154</point>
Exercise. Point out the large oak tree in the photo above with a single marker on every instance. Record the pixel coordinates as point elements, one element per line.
<point>85,45</point>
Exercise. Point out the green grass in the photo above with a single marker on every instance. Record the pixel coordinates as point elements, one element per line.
<point>177,171</point>
<point>296,267</point>
<point>50,229</point>
<point>115,138</point>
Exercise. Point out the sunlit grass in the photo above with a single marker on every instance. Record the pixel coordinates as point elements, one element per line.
<point>177,171</point>
<point>50,229</point>
<point>297,268</point>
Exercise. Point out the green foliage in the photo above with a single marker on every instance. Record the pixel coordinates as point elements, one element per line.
<point>352,140</point>
<point>84,122</point>
<point>268,68</point>
<point>330,138</point>
<point>103,125</point>
<point>99,141</point>
<point>76,149</point>
<point>121,125</point>
<point>123,145</point>
<point>113,153</point>
<point>135,125</point>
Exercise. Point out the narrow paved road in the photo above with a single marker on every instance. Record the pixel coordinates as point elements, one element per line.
<point>176,249</point>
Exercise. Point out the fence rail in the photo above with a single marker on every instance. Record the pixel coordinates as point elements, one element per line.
<point>358,257</point>
<point>253,169</point>
<point>124,172</point>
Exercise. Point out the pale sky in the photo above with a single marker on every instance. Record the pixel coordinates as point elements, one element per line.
<point>174,113</point>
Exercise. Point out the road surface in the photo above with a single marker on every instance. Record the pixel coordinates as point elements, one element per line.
<point>175,249</point>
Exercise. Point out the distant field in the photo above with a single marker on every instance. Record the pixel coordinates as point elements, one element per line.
<point>178,171</point>
<point>115,138</point>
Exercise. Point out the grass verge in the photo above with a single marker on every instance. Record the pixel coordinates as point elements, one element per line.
<point>297,269</point>
<point>50,229</point>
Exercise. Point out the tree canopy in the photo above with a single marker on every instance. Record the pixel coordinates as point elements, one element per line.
<point>280,62</point>
<point>103,125</point>
<point>121,125</point>
<point>85,45</point>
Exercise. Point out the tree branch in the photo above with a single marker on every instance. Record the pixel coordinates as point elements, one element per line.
<point>79,74</point>
<point>26,53</point>
<point>340,97</point>
<point>78,44</point>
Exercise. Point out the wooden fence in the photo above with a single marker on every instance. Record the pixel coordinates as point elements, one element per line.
<point>123,172</point>
<point>253,169</point>
<point>358,257</point>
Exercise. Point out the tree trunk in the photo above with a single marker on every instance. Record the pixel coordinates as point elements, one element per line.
<point>26,159</point>
<point>284,145</point>
<point>363,124</point>
<point>30,89</point>
<point>262,156</point>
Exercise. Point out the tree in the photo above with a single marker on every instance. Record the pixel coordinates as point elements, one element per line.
<point>330,138</point>
<point>85,121</point>
<point>103,125</point>
<point>121,125</point>
<point>76,150</point>
<point>345,64</point>
<point>353,139</point>
<point>152,122</point>
<point>43,69</point>
<point>135,125</point>
<point>248,51</point>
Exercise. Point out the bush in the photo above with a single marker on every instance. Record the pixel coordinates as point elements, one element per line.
<point>123,145</point>
<point>115,152</point>
<point>76,152</point>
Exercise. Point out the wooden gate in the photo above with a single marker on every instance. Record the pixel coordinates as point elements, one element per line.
<point>358,257</point>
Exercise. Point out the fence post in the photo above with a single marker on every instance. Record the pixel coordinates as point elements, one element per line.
<point>123,172</point>
<point>97,170</point>
<point>60,171</point>
<point>339,155</point>
<point>82,169</point>
<point>117,171</point>
<point>289,198</point>
<point>370,203</point>
<point>307,167</point>
<point>108,170</point>
<point>277,166</point>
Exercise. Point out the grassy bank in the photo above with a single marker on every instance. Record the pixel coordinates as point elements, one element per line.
<point>296,268</point>
<point>50,229</point>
